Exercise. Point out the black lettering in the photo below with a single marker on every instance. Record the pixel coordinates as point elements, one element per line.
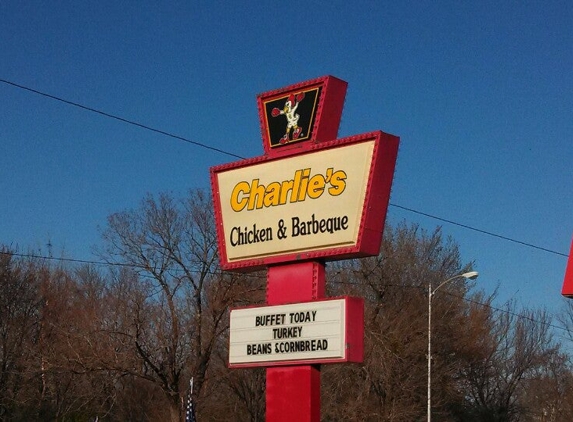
<point>259,349</point>
<point>246,236</point>
<point>273,319</point>
<point>295,229</point>
<point>316,226</point>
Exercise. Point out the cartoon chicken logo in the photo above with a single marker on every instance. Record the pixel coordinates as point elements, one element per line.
<point>289,111</point>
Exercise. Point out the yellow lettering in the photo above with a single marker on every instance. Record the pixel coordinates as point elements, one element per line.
<point>303,185</point>
<point>287,186</point>
<point>338,183</point>
<point>316,186</point>
<point>272,194</point>
<point>239,198</point>
<point>296,186</point>
<point>255,195</point>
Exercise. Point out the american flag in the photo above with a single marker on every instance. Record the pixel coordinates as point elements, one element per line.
<point>190,412</point>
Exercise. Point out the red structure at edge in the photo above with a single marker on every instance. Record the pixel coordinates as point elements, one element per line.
<point>567,290</point>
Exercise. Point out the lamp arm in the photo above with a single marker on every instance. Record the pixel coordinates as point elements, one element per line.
<point>446,282</point>
<point>470,275</point>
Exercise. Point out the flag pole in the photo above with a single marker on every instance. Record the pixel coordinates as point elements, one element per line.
<point>190,411</point>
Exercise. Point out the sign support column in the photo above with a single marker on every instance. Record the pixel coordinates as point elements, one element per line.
<point>293,392</point>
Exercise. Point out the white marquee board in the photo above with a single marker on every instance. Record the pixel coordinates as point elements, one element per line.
<point>301,331</point>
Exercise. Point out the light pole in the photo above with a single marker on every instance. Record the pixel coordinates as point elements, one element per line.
<point>472,275</point>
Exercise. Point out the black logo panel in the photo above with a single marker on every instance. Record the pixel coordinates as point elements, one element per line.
<point>291,117</point>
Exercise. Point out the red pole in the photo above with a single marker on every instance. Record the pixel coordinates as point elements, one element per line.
<point>293,392</point>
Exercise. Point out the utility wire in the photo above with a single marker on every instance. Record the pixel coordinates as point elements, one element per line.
<point>85,261</point>
<point>181,138</point>
<point>118,264</point>
<point>506,311</point>
<point>61,259</point>
<point>465,226</point>
<point>121,119</point>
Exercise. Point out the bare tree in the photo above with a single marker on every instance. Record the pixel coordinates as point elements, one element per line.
<point>175,322</point>
<point>512,348</point>
<point>484,359</point>
<point>547,395</point>
<point>391,383</point>
<point>121,344</point>
<point>19,309</point>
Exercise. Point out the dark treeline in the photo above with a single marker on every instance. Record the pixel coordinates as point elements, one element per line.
<point>120,343</point>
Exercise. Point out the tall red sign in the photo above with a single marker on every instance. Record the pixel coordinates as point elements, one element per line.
<point>567,290</point>
<point>310,198</point>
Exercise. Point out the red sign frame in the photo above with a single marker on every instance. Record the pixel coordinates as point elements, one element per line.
<point>374,207</point>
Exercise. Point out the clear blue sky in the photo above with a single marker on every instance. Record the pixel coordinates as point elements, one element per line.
<point>481,94</point>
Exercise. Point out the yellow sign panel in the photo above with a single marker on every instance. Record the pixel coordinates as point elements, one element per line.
<point>302,203</point>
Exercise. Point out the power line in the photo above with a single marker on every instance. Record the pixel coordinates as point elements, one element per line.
<point>61,259</point>
<point>465,226</point>
<point>201,145</point>
<point>507,311</point>
<point>121,119</point>
<point>119,264</point>
<point>85,261</point>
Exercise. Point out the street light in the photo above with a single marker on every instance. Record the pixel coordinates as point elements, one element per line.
<point>472,275</point>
